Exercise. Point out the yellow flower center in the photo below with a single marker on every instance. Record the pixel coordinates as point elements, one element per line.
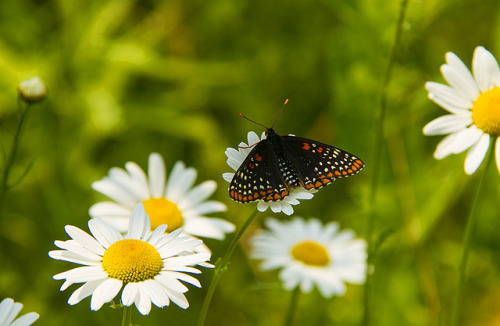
<point>311,253</point>
<point>163,211</point>
<point>132,260</point>
<point>486,111</point>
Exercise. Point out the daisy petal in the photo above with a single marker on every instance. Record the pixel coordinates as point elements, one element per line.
<point>485,67</point>
<point>476,154</point>
<point>447,124</point>
<point>156,173</point>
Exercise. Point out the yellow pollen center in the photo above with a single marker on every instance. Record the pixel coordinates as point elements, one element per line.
<point>132,260</point>
<point>486,111</point>
<point>311,253</point>
<point>163,211</point>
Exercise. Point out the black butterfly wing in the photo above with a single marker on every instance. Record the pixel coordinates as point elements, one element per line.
<point>258,177</point>
<point>318,164</point>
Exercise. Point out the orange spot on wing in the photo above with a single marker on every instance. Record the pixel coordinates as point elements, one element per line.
<point>337,173</point>
<point>318,184</point>
<point>330,175</point>
<point>277,196</point>
<point>309,186</point>
<point>320,149</point>
<point>258,157</point>
<point>350,171</point>
<point>344,172</point>
<point>250,197</point>
<point>325,181</point>
<point>262,193</point>
<point>270,197</point>
<point>240,197</point>
<point>306,146</point>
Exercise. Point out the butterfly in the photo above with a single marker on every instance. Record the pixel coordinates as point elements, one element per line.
<point>278,163</point>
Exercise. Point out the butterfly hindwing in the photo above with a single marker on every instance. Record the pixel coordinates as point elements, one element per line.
<point>258,177</point>
<point>318,164</point>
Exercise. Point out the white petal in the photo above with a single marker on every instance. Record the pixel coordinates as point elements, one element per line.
<point>84,239</point>
<point>485,67</point>
<point>84,291</point>
<point>9,310</point>
<point>207,207</point>
<point>180,181</point>
<point>476,154</point>
<point>449,95</point>
<point>447,124</point>
<point>26,320</point>
<point>458,142</point>
<point>458,75</point>
<point>197,195</point>
<point>143,302</point>
<point>139,222</point>
<point>108,209</point>
<point>156,173</point>
<point>497,153</point>
<point>214,228</point>
<point>105,292</point>
<point>116,192</point>
<point>103,232</point>
<point>228,176</point>
<point>130,294</point>
<point>139,180</point>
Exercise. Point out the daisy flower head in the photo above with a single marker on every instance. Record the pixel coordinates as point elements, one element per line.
<point>473,103</point>
<point>173,201</point>
<point>236,157</point>
<point>310,254</point>
<point>9,310</point>
<point>147,265</point>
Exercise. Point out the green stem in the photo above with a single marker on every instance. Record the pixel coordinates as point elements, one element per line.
<point>221,267</point>
<point>292,307</point>
<point>379,140</point>
<point>127,316</point>
<point>4,183</point>
<point>469,230</point>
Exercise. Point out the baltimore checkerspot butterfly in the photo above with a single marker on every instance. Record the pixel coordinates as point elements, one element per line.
<point>278,163</point>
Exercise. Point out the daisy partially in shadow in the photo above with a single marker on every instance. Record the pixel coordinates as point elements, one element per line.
<point>9,311</point>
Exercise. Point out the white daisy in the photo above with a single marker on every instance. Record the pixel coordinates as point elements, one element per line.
<point>235,158</point>
<point>174,202</point>
<point>310,253</point>
<point>9,310</point>
<point>147,265</point>
<point>474,103</point>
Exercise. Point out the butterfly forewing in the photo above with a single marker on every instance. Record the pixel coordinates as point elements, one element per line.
<point>318,164</point>
<point>258,177</point>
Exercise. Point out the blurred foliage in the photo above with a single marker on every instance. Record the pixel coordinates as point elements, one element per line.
<point>126,78</point>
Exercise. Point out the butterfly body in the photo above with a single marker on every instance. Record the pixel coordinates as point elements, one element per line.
<point>278,163</point>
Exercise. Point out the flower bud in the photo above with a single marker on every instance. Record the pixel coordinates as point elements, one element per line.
<point>32,90</point>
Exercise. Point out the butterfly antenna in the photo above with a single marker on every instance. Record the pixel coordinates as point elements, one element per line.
<point>260,124</point>
<point>286,101</point>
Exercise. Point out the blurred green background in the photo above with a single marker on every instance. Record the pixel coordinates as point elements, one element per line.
<point>126,78</point>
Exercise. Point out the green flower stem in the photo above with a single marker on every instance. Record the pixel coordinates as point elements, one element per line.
<point>379,140</point>
<point>292,307</point>
<point>127,316</point>
<point>4,183</point>
<point>221,267</point>
<point>471,222</point>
